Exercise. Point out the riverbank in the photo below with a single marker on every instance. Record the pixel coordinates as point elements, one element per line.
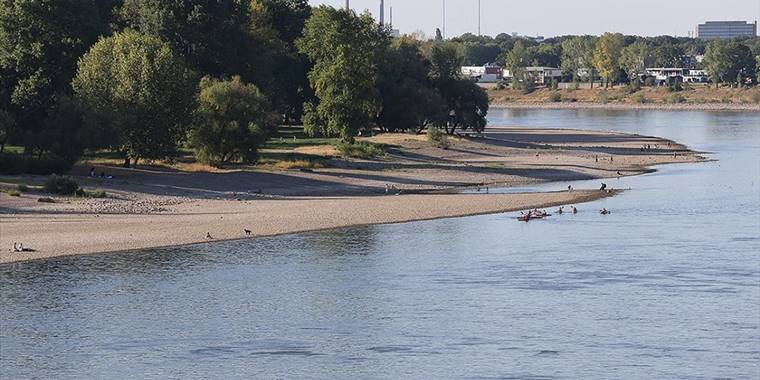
<point>156,206</point>
<point>698,98</point>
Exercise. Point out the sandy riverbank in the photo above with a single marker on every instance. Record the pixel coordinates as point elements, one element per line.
<point>69,233</point>
<point>158,206</point>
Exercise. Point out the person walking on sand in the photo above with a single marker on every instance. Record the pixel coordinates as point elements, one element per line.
<point>575,210</point>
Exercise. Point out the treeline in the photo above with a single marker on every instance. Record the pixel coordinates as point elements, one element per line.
<point>147,77</point>
<point>615,57</point>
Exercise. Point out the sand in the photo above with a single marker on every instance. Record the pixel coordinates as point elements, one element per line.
<point>156,206</point>
<point>63,234</point>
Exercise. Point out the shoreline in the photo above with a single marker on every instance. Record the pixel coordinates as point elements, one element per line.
<point>151,230</point>
<point>630,106</point>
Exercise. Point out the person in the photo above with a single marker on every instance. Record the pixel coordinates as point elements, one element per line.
<point>559,211</point>
<point>208,235</point>
<point>92,172</point>
<point>619,173</point>
<point>605,211</point>
<point>575,210</point>
<point>569,188</point>
<point>604,186</point>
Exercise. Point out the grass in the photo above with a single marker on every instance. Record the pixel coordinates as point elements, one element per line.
<point>22,188</point>
<point>361,149</point>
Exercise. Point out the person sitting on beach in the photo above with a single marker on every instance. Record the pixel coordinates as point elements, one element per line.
<point>604,186</point>
<point>569,188</point>
<point>559,211</point>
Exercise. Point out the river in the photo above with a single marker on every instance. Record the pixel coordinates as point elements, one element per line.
<point>666,287</point>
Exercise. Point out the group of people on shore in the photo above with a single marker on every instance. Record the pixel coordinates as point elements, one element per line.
<point>19,247</point>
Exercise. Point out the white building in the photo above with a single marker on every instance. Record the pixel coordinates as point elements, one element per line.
<point>696,76</point>
<point>483,74</point>
<point>540,74</point>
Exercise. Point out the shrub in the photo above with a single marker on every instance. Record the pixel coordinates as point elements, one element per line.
<point>11,163</point>
<point>649,82</point>
<point>359,149</point>
<point>639,98</point>
<point>23,188</point>
<point>437,138</point>
<point>555,97</point>
<point>676,98</point>
<point>603,97</point>
<point>97,194</point>
<point>633,87</point>
<point>61,185</point>
<point>14,193</point>
<point>554,84</point>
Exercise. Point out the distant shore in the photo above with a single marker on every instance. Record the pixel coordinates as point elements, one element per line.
<point>631,106</point>
<point>156,206</point>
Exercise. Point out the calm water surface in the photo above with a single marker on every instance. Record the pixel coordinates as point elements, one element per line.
<point>667,287</point>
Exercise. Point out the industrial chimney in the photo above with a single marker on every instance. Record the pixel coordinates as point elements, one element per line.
<point>382,12</point>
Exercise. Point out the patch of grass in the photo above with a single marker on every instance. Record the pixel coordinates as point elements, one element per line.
<point>555,97</point>
<point>360,149</point>
<point>437,138</point>
<point>96,194</point>
<point>22,187</point>
<point>14,163</point>
<point>299,164</point>
<point>14,193</point>
<point>676,98</point>
<point>603,97</point>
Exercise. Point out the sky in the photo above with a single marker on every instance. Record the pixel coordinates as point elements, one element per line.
<point>550,18</point>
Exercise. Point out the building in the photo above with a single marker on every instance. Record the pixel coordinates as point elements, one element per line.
<point>664,76</point>
<point>484,74</point>
<point>726,29</point>
<point>696,76</point>
<point>540,74</point>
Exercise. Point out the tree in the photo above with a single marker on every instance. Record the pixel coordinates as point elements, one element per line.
<point>345,49</point>
<point>410,102</point>
<point>281,71</point>
<point>635,58</point>
<point>546,55</point>
<point>232,121</point>
<point>716,61</point>
<point>577,57</point>
<point>466,104</point>
<point>6,126</point>
<point>438,35</point>
<point>517,60</point>
<point>40,42</point>
<point>607,56</point>
<point>137,93</point>
<point>741,63</point>
<point>211,35</point>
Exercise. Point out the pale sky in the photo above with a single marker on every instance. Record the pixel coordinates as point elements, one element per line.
<point>558,17</point>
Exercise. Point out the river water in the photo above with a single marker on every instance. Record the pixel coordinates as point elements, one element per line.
<point>666,287</point>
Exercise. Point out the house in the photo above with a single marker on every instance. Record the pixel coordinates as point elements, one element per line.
<point>696,76</point>
<point>540,74</point>
<point>665,75</point>
<point>488,73</point>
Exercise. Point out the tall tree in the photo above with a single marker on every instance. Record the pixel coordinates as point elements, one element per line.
<point>137,93</point>
<point>211,35</point>
<point>345,49</point>
<point>410,102</point>
<point>635,58</point>
<point>607,56</point>
<point>741,63</point>
<point>578,56</point>
<point>282,70</point>
<point>716,61</point>
<point>233,119</point>
<point>40,42</point>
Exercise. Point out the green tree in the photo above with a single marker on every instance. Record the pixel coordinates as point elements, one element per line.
<point>517,60</point>
<point>345,49</point>
<point>741,63</point>
<point>577,56</point>
<point>211,35</point>
<point>546,55</point>
<point>607,56</point>
<point>40,42</point>
<point>410,102</point>
<point>281,71</point>
<point>6,126</point>
<point>137,94</point>
<point>466,103</point>
<point>232,121</point>
<point>635,58</point>
<point>716,61</point>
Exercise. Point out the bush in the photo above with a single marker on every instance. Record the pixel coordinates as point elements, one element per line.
<point>22,188</point>
<point>61,185</point>
<point>97,194</point>
<point>555,97</point>
<point>14,193</point>
<point>437,138</point>
<point>676,98</point>
<point>633,87</point>
<point>554,84</point>
<point>603,97</point>
<point>25,164</point>
<point>649,82</point>
<point>639,98</point>
<point>359,149</point>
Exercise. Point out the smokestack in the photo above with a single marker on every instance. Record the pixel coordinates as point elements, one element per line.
<point>348,6</point>
<point>479,13</point>
<point>391,16</point>
<point>382,12</point>
<point>444,18</point>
